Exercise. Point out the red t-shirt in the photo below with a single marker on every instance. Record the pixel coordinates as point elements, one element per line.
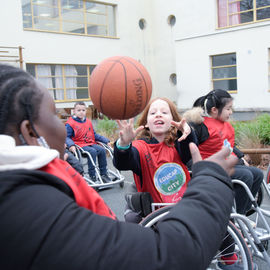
<point>164,175</point>
<point>83,132</point>
<point>218,132</point>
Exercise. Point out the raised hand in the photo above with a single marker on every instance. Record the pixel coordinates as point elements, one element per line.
<point>183,127</point>
<point>127,132</point>
<point>222,158</point>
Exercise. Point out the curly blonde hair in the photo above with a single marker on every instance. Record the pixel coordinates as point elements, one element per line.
<point>171,135</point>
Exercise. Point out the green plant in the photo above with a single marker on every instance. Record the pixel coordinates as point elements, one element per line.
<point>257,129</point>
<point>263,122</point>
<point>253,134</point>
<point>107,128</point>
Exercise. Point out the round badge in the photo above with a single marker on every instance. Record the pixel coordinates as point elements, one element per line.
<point>169,178</point>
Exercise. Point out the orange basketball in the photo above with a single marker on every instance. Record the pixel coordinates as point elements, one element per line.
<point>120,87</point>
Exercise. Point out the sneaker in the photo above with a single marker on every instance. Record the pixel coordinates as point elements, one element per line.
<point>106,178</point>
<point>236,266</point>
<point>93,178</point>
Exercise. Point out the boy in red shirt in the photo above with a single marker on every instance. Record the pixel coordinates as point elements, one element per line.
<point>80,131</point>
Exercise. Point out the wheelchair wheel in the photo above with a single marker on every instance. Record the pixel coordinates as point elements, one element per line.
<point>241,247</point>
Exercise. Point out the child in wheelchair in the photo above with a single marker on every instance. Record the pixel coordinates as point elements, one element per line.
<point>210,120</point>
<point>80,132</point>
<point>157,158</point>
<point>213,130</point>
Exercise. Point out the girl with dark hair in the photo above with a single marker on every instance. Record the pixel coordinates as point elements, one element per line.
<point>50,218</point>
<point>157,158</point>
<point>213,131</point>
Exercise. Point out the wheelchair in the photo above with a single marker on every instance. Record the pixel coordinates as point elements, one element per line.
<point>115,175</point>
<point>250,233</point>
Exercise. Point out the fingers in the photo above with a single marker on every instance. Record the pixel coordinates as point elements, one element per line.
<point>140,128</point>
<point>195,153</point>
<point>224,159</point>
<point>231,161</point>
<point>183,127</point>
<point>223,153</point>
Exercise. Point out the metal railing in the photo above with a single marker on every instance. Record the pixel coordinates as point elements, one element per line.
<point>11,55</point>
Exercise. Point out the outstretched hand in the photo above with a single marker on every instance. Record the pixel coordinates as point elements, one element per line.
<point>222,158</point>
<point>183,127</point>
<point>127,132</point>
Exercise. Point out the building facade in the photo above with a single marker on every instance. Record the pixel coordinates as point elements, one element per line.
<point>189,47</point>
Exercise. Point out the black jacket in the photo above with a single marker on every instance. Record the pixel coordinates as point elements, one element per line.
<point>41,227</point>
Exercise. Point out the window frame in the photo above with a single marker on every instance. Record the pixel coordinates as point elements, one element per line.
<point>255,9</point>
<point>224,66</point>
<point>64,77</point>
<point>60,20</point>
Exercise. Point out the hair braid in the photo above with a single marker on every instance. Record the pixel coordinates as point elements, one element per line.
<point>19,98</point>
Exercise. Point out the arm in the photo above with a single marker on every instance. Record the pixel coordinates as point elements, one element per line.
<point>201,132</point>
<point>182,147</point>
<point>70,134</point>
<point>69,237</point>
<point>100,138</point>
<point>127,159</point>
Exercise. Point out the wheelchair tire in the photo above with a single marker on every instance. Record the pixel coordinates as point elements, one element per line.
<point>241,247</point>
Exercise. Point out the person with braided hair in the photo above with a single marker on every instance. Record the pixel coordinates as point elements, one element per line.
<point>51,220</point>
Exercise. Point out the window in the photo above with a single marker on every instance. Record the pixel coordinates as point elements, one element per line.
<point>235,12</point>
<point>69,16</point>
<point>64,82</point>
<point>224,72</point>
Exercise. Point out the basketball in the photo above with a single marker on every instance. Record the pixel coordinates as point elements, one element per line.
<point>120,87</point>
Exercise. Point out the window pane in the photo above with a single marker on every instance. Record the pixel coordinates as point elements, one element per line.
<point>228,85</point>
<point>73,4</point>
<point>91,69</point>
<point>111,22</point>
<point>219,73</point>
<point>73,27</point>
<point>46,24</point>
<point>97,30</point>
<point>27,15</point>
<point>81,70</point>
<point>82,81</point>
<point>224,60</point>
<point>31,69</point>
<point>263,13</point>
<point>82,93</point>
<point>45,2</point>
<point>96,18</point>
<point>48,12</point>
<point>72,15</point>
<point>246,17</point>
<point>95,8</point>
<point>246,5</point>
<point>262,3</point>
